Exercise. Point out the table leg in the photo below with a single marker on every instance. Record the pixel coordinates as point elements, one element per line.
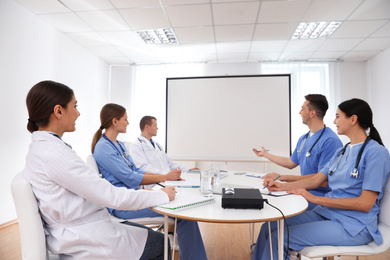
<point>270,240</point>
<point>280,238</point>
<point>165,237</point>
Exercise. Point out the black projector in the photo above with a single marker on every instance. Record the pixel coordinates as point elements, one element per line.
<point>238,198</point>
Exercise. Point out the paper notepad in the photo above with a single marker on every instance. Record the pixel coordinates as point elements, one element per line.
<point>188,182</point>
<point>186,200</point>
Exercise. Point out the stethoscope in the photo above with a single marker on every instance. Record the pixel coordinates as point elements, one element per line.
<point>354,172</point>
<point>56,135</point>
<point>123,153</point>
<point>304,141</point>
<point>143,141</point>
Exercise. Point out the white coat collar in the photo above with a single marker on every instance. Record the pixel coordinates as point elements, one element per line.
<point>46,136</point>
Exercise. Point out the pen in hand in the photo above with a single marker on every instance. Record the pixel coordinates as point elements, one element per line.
<point>266,186</point>
<point>159,184</point>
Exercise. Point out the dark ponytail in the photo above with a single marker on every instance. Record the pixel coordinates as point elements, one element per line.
<point>362,110</point>
<point>108,112</point>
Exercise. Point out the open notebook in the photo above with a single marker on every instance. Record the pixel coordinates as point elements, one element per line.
<point>185,200</point>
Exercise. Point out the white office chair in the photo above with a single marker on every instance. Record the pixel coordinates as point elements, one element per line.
<point>32,235</point>
<point>156,222</point>
<point>369,249</point>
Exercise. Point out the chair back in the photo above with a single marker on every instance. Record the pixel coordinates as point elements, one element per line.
<point>92,163</point>
<point>32,235</point>
<point>384,212</point>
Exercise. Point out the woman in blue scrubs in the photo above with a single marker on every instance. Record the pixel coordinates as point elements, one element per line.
<point>357,175</point>
<point>117,167</point>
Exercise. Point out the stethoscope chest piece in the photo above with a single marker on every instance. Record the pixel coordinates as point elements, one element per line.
<point>355,173</point>
<point>308,154</point>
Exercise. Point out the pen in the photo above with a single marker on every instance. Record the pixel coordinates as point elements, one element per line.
<point>266,186</point>
<point>159,184</point>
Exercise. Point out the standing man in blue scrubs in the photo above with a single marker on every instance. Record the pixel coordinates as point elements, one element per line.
<point>313,150</point>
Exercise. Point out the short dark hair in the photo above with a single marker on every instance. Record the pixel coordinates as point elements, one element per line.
<point>318,103</point>
<point>146,120</point>
<point>41,100</point>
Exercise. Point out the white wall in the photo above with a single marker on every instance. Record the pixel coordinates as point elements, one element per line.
<point>32,51</point>
<point>378,69</point>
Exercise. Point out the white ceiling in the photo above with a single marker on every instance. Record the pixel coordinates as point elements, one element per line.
<point>215,31</point>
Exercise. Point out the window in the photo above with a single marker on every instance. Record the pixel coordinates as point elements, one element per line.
<point>306,78</point>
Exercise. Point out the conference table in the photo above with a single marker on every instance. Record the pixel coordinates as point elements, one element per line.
<point>290,205</point>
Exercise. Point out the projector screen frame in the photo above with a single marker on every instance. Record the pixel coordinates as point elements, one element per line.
<point>207,158</point>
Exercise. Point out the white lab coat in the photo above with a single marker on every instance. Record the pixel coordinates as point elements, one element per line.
<point>71,197</point>
<point>152,159</point>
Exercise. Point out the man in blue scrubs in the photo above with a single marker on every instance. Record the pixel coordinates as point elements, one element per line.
<point>313,150</point>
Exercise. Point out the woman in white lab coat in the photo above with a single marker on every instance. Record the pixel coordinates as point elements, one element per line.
<point>72,197</point>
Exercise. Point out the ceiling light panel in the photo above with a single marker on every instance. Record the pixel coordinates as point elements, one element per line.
<point>314,30</point>
<point>158,36</point>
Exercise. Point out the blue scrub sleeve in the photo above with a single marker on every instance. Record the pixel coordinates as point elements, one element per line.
<point>294,156</point>
<point>111,163</point>
<point>327,151</point>
<point>330,163</point>
<point>377,165</point>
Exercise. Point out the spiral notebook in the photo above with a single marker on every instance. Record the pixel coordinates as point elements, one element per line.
<point>186,200</point>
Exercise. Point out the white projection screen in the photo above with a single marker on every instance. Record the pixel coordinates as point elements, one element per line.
<point>223,118</point>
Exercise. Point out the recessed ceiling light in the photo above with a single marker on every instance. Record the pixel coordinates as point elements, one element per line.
<point>314,30</point>
<point>158,36</point>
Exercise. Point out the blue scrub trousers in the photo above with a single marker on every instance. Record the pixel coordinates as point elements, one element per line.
<point>190,241</point>
<point>306,229</point>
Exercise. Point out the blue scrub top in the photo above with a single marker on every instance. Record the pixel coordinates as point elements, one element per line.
<point>374,170</point>
<point>114,168</point>
<point>321,153</point>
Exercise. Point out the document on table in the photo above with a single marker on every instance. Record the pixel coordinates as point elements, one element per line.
<point>273,193</point>
<point>186,200</point>
<point>266,191</point>
<point>187,183</point>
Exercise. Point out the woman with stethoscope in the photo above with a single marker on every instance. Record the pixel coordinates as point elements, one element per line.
<point>357,175</point>
<point>117,167</point>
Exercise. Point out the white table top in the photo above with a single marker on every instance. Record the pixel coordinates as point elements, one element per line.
<point>290,205</point>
